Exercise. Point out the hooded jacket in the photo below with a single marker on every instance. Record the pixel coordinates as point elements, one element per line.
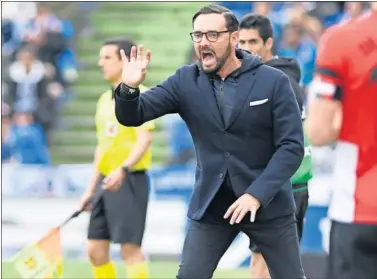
<point>290,67</point>
<point>259,147</point>
<point>225,90</point>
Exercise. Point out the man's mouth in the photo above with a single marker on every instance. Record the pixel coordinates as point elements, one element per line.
<point>207,56</point>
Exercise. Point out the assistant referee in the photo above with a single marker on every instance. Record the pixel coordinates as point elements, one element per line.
<point>122,158</point>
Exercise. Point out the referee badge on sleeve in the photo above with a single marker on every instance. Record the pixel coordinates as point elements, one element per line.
<point>111,129</point>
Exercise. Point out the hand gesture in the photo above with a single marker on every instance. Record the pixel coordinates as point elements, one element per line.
<point>244,204</point>
<point>114,180</point>
<point>135,68</point>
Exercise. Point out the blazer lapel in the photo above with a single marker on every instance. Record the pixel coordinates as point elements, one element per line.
<point>209,95</point>
<point>244,87</point>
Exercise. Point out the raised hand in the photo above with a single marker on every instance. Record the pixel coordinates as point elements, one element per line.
<point>135,68</point>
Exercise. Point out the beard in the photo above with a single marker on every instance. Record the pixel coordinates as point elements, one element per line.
<point>220,60</point>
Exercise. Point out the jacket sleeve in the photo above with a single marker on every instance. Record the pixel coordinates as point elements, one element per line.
<point>153,103</point>
<point>289,144</point>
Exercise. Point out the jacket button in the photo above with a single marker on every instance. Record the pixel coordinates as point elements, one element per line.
<point>221,175</point>
<point>227,154</point>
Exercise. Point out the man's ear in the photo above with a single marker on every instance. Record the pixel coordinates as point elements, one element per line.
<point>234,38</point>
<point>269,44</point>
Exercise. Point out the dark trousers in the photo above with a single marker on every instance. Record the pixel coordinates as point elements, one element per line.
<point>207,241</point>
<point>353,251</point>
<point>301,200</point>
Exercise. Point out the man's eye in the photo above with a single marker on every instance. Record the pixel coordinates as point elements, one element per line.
<point>212,35</point>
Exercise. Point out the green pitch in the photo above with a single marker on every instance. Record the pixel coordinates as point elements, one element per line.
<point>165,270</point>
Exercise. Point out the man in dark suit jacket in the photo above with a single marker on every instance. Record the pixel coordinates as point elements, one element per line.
<point>247,131</point>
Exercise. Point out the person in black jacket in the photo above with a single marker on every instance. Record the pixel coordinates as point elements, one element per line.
<point>247,131</point>
<point>256,36</point>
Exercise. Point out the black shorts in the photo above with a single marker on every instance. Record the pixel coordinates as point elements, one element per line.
<point>301,200</point>
<point>353,251</point>
<point>120,216</point>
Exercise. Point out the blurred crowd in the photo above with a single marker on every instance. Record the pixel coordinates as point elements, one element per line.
<point>38,67</point>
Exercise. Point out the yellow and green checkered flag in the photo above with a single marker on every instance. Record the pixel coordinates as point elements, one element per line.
<point>42,259</point>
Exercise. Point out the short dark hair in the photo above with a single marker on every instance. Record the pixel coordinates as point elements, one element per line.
<point>231,21</point>
<point>260,23</point>
<point>121,43</point>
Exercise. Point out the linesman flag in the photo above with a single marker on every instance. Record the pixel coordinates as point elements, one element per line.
<point>42,259</point>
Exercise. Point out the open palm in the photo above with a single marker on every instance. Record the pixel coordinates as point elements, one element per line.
<point>135,68</point>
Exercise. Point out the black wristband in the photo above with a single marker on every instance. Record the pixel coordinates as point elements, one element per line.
<point>126,170</point>
<point>127,92</point>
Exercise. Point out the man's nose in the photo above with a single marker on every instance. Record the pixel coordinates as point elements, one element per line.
<point>204,41</point>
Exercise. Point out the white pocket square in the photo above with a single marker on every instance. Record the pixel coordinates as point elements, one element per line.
<point>259,102</point>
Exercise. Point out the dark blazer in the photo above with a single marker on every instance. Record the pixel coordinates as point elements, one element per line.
<point>261,146</point>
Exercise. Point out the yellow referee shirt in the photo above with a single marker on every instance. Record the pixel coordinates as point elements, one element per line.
<point>116,141</point>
